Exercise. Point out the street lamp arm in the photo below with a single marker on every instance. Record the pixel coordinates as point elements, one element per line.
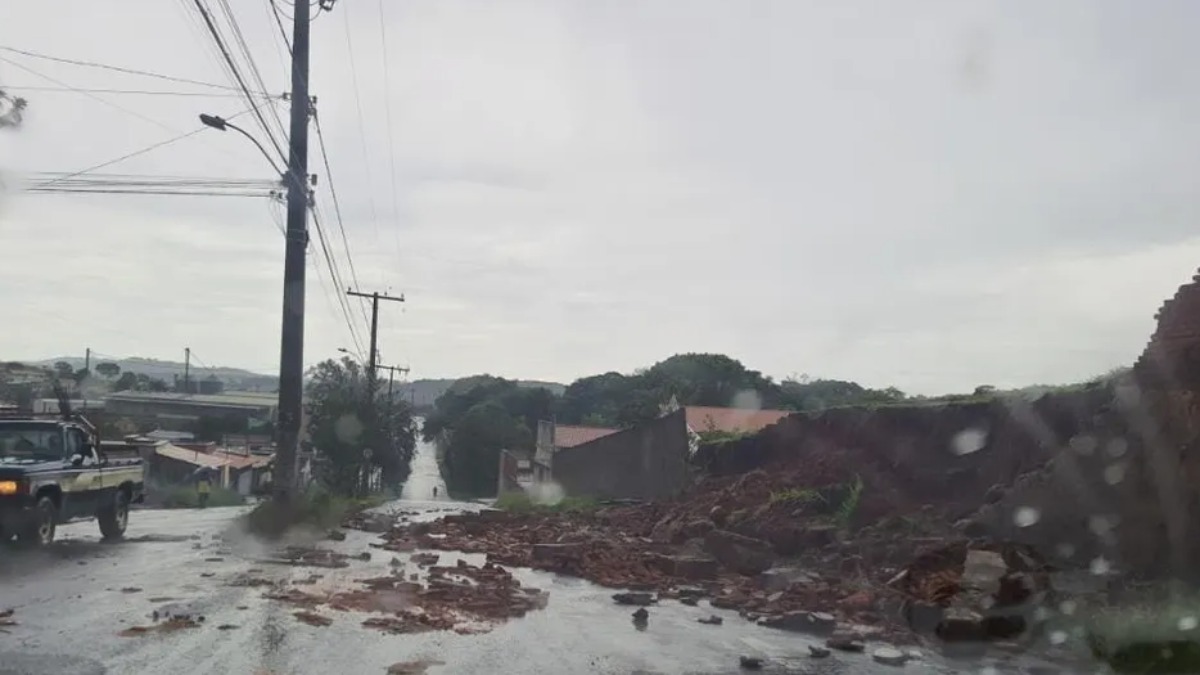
<point>221,124</point>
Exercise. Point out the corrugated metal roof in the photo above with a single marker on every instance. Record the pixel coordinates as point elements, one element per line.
<point>214,460</point>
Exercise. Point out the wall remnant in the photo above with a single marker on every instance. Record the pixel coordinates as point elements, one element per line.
<point>646,462</point>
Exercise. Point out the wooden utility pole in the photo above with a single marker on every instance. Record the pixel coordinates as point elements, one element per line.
<point>372,358</point>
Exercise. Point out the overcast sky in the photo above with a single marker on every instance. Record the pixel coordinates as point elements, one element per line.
<point>932,195</point>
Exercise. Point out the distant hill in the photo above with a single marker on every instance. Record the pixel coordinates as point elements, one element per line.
<point>234,378</point>
<point>422,393</point>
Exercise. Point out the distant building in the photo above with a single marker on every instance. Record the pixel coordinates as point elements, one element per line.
<point>705,419</point>
<point>49,406</point>
<point>174,464</point>
<point>179,411</point>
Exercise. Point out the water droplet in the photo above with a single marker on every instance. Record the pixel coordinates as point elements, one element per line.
<point>1058,637</point>
<point>1100,566</point>
<point>989,670</point>
<point>1067,607</point>
<point>1041,614</point>
<point>1117,447</point>
<point>1026,515</point>
<point>1099,525</point>
<point>968,440</point>
<point>1065,551</point>
<point>1114,473</point>
<point>1084,445</point>
<point>1188,623</point>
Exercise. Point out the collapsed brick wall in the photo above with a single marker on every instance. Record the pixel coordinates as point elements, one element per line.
<point>1108,475</point>
<point>646,462</point>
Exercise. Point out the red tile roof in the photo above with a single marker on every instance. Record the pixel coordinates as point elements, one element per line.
<point>214,460</point>
<point>733,420</point>
<point>566,436</point>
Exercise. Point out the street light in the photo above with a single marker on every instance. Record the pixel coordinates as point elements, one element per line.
<point>221,124</point>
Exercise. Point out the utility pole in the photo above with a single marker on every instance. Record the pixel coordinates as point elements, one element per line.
<point>375,298</point>
<point>187,366</point>
<point>392,370</point>
<point>291,342</point>
<point>87,360</point>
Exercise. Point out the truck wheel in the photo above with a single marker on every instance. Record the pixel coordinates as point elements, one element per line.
<point>115,517</point>
<point>39,531</point>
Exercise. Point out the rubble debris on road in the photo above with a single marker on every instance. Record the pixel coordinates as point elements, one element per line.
<point>164,623</point>
<point>227,626</point>
<point>889,656</point>
<point>462,597</point>
<point>641,617</point>
<point>818,652</point>
<point>713,620</point>
<point>300,556</point>
<point>636,598</point>
<point>750,662</point>
<point>6,618</point>
<point>336,535</point>
<point>131,589</point>
<point>412,667</point>
<point>313,619</point>
<point>424,559</point>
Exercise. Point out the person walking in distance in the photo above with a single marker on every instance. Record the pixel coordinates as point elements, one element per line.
<point>203,488</point>
<point>435,492</point>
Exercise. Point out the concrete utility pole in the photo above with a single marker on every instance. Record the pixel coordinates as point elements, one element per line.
<point>187,367</point>
<point>87,360</point>
<point>375,298</point>
<point>291,347</point>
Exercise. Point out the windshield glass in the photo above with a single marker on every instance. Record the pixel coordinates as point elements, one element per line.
<point>27,441</point>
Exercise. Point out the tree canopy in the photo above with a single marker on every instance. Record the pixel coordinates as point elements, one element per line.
<point>343,423</point>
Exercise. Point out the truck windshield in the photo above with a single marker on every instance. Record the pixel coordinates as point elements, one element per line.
<point>27,441</point>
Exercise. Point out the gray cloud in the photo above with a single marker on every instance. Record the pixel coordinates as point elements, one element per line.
<point>935,195</point>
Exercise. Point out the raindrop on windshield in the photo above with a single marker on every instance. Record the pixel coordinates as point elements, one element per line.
<point>1100,566</point>
<point>1114,474</point>
<point>1058,637</point>
<point>1067,607</point>
<point>1188,623</point>
<point>1117,447</point>
<point>968,440</point>
<point>1026,516</point>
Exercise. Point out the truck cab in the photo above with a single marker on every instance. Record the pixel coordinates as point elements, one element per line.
<point>53,471</point>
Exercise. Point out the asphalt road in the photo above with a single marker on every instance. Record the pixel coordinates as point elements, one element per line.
<point>73,599</point>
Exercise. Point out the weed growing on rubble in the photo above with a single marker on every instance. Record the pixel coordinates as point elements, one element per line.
<point>315,508</point>
<point>797,496</point>
<point>517,502</point>
<point>849,505</point>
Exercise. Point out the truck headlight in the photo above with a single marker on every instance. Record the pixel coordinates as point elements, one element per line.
<point>9,487</point>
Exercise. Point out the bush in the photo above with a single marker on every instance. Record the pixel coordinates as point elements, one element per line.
<point>186,497</point>
<point>315,508</point>
<point>519,502</point>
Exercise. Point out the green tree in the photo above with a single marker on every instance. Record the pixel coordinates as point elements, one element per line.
<point>126,382</point>
<point>344,420</point>
<point>64,369</point>
<point>108,369</point>
<point>472,452</point>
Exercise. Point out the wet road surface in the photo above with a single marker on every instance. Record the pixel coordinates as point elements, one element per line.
<point>73,599</point>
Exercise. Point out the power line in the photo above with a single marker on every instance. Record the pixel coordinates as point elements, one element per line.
<point>119,69</point>
<point>133,92</point>
<point>249,59</point>
<point>335,276</point>
<point>362,127</point>
<point>279,22</point>
<point>89,95</point>
<point>135,153</point>
<point>337,207</point>
<point>391,143</point>
<point>237,75</point>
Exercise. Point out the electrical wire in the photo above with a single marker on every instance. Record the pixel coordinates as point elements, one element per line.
<point>279,22</point>
<point>119,69</point>
<point>391,142</point>
<point>215,33</point>
<point>89,95</point>
<point>335,275</point>
<point>136,153</point>
<point>248,57</point>
<point>337,207</point>
<point>362,127</point>
<point>134,92</point>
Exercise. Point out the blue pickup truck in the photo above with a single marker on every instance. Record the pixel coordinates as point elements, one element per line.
<point>54,471</point>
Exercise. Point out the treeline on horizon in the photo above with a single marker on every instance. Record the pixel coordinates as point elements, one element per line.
<point>479,415</point>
